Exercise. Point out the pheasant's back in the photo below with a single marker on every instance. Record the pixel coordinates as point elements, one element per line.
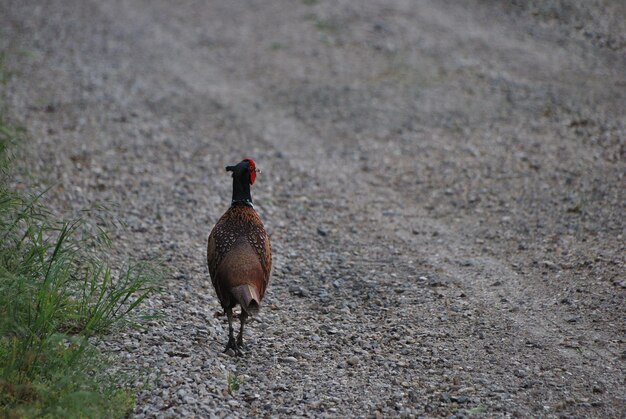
<point>239,252</point>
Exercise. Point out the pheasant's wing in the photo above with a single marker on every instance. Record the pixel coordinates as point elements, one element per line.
<point>267,257</point>
<point>213,256</point>
<point>260,241</point>
<point>223,237</point>
<point>219,244</point>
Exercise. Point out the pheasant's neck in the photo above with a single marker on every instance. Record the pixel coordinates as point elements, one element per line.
<point>241,192</point>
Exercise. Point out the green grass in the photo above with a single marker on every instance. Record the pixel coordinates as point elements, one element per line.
<point>476,410</point>
<point>233,382</point>
<point>59,294</point>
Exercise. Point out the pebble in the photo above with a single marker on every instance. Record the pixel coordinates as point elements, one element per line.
<point>550,265</point>
<point>460,399</point>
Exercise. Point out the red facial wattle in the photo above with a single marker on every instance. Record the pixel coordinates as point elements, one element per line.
<point>251,170</point>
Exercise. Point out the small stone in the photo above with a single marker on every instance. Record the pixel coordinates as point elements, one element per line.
<point>332,331</point>
<point>298,291</point>
<point>353,360</point>
<point>460,399</point>
<point>550,265</point>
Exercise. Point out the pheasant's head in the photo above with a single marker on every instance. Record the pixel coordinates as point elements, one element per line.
<point>244,169</point>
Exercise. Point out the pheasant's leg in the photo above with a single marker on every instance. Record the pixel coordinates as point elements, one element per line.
<point>242,317</point>
<point>232,344</point>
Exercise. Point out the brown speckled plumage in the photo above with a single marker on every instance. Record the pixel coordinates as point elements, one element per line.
<point>239,253</point>
<point>239,227</point>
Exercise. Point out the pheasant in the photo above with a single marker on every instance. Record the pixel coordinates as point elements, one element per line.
<point>239,254</point>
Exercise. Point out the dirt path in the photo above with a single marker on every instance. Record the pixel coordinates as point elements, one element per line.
<point>443,185</point>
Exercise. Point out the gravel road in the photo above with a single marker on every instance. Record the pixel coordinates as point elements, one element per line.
<point>443,183</point>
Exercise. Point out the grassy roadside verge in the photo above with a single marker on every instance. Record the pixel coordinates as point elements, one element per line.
<point>58,294</point>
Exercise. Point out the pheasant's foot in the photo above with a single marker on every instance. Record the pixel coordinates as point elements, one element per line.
<point>235,346</point>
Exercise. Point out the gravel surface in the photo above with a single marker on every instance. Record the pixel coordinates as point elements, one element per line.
<point>443,183</point>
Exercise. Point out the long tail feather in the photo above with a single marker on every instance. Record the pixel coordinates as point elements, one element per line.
<point>248,297</point>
